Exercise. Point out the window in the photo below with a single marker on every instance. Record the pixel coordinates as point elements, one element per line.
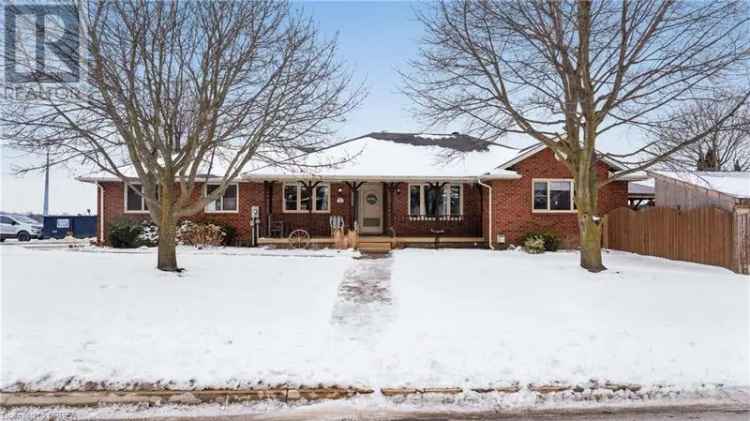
<point>454,201</point>
<point>291,198</point>
<point>226,202</point>
<point>321,198</point>
<point>297,198</point>
<point>427,201</point>
<point>553,196</point>
<point>7,221</point>
<point>134,201</point>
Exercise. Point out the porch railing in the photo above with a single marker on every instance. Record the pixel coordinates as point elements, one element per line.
<point>318,224</point>
<point>467,225</point>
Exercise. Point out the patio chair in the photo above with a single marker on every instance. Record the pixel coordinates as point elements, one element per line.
<point>277,229</point>
<point>336,223</point>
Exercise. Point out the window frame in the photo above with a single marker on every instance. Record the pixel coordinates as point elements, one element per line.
<point>237,198</point>
<point>446,195</point>
<point>143,208</point>
<point>313,202</point>
<point>549,202</point>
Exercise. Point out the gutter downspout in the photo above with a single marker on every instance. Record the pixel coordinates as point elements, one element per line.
<point>489,205</point>
<point>100,212</point>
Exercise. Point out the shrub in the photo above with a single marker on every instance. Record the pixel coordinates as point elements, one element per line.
<point>199,234</point>
<point>551,240</point>
<point>534,245</point>
<point>125,233</point>
<point>230,232</point>
<point>150,235</point>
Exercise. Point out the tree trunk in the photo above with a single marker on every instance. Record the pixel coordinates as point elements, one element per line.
<point>589,223</point>
<point>167,260</point>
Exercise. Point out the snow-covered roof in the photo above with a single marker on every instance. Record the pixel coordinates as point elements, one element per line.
<point>734,183</point>
<point>387,156</point>
<point>538,147</point>
<point>397,156</point>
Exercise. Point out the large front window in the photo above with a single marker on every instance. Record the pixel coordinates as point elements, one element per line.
<point>553,196</point>
<point>427,200</point>
<point>227,202</point>
<point>297,198</point>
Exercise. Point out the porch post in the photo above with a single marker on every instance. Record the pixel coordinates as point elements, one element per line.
<point>268,190</point>
<point>438,189</point>
<point>354,187</point>
<point>391,186</point>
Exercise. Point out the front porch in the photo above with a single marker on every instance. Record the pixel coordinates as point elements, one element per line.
<point>426,213</point>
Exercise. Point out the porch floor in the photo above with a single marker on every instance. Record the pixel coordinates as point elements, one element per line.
<point>382,239</point>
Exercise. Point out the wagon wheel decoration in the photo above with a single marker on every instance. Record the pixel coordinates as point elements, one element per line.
<point>299,239</point>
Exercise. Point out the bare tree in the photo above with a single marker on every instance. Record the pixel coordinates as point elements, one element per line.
<point>567,72</point>
<point>180,92</point>
<point>726,147</point>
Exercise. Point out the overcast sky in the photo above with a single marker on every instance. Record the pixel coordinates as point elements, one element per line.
<point>375,40</point>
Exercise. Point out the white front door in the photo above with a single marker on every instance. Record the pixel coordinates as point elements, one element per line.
<point>371,208</point>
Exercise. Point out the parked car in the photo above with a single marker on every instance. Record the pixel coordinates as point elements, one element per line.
<point>21,227</point>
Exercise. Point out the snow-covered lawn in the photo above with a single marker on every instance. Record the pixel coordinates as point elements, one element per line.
<point>469,318</point>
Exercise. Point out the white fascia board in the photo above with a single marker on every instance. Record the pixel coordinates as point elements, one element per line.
<point>392,178</point>
<point>112,178</point>
<point>540,147</point>
<point>529,152</point>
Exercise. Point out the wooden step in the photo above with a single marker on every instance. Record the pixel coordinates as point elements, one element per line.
<point>374,247</point>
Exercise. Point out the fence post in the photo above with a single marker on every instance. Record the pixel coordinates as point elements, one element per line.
<point>741,240</point>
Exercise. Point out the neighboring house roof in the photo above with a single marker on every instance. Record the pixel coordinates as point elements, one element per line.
<point>641,188</point>
<point>735,184</point>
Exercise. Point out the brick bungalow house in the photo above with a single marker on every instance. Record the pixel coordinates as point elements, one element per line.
<point>387,186</point>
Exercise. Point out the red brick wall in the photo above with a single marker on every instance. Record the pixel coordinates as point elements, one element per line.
<point>250,194</point>
<point>512,199</point>
<point>114,205</point>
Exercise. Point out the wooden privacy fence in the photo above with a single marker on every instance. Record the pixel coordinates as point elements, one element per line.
<point>703,235</point>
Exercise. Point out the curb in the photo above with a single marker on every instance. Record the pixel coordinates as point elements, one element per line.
<point>598,392</point>
<point>186,397</point>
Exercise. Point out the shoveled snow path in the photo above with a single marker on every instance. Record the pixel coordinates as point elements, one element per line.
<point>364,305</point>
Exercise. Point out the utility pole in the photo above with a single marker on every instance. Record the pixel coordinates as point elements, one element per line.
<point>45,210</point>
